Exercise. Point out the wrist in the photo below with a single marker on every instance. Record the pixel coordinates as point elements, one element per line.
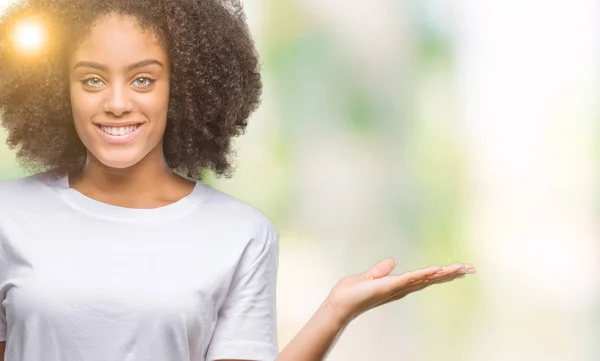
<point>331,312</point>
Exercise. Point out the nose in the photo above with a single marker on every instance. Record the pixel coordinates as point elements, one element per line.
<point>117,101</point>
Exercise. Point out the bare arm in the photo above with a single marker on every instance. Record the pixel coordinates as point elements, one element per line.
<point>356,294</point>
<point>353,296</point>
<point>2,350</point>
<point>316,338</point>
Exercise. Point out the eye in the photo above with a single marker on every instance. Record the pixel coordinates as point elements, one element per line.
<point>93,82</point>
<point>143,82</point>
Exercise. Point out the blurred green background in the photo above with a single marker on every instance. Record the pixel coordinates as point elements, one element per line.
<point>434,132</point>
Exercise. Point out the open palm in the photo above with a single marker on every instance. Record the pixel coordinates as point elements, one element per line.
<point>353,295</point>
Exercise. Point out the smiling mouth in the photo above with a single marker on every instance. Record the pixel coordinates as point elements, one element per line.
<point>118,131</point>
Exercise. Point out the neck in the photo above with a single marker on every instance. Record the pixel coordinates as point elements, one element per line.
<point>146,176</point>
<point>149,183</point>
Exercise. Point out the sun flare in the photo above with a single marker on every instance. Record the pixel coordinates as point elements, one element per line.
<point>29,36</point>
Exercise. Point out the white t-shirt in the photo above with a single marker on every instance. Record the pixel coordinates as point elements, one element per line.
<point>82,280</point>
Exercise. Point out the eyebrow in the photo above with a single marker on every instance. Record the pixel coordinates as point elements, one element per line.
<point>139,64</point>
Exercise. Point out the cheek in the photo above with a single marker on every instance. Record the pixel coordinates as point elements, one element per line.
<point>156,106</point>
<point>81,105</point>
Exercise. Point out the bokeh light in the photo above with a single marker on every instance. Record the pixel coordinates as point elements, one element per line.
<point>29,36</point>
<point>433,132</point>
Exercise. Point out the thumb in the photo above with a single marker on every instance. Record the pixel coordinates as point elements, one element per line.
<point>381,269</point>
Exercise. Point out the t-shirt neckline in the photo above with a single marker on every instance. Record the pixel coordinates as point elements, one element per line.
<point>92,207</point>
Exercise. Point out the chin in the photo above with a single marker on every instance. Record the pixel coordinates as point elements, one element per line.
<point>118,161</point>
<point>118,164</point>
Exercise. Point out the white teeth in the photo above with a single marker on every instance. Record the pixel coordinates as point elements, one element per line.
<point>118,131</point>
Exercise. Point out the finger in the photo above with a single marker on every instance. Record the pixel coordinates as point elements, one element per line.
<point>416,287</point>
<point>422,286</point>
<point>417,280</point>
<point>470,268</point>
<point>452,269</point>
<point>433,280</point>
<point>395,283</point>
<point>430,282</point>
<point>381,269</point>
<point>426,282</point>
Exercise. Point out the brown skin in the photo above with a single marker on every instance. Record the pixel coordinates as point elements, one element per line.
<point>133,174</point>
<point>138,174</point>
<point>215,82</point>
<point>356,294</point>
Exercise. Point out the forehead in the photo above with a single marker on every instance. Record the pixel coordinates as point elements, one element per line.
<point>118,41</point>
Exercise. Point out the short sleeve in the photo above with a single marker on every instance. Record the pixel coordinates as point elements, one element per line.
<point>3,276</point>
<point>246,326</point>
<point>2,323</point>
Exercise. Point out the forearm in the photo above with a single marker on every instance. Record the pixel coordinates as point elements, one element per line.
<point>316,338</point>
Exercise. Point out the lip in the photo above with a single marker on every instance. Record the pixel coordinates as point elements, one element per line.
<point>121,124</point>
<point>119,139</point>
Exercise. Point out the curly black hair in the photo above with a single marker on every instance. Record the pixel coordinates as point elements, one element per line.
<point>215,81</point>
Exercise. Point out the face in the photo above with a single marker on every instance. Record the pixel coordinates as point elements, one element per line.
<point>119,86</point>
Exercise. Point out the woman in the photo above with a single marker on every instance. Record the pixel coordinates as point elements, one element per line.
<point>115,250</point>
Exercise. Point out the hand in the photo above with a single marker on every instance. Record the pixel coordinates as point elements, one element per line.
<point>354,295</point>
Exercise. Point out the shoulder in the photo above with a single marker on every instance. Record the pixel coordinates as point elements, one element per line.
<point>27,200</point>
<point>237,213</point>
<point>27,188</point>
